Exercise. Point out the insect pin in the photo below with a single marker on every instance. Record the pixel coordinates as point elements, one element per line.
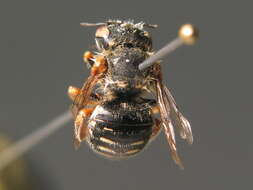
<point>124,104</point>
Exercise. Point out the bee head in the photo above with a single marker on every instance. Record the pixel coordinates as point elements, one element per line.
<point>123,33</point>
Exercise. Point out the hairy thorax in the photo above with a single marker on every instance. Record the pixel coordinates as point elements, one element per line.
<point>123,78</point>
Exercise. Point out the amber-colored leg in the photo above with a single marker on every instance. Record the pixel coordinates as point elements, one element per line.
<point>81,125</point>
<point>99,65</point>
<point>82,115</point>
<point>155,109</point>
<point>88,58</point>
<point>74,91</point>
<point>97,62</point>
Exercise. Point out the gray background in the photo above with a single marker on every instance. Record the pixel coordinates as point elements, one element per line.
<point>41,45</point>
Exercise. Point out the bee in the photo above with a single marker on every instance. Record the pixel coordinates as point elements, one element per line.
<point>121,108</point>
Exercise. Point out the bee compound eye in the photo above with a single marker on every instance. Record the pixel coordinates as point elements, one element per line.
<point>101,43</point>
<point>102,35</point>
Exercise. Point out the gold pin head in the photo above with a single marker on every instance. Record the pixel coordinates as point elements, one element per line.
<point>188,33</point>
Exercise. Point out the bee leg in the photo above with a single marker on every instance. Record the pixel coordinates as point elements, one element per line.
<point>97,62</point>
<point>156,128</point>
<point>81,125</point>
<point>74,91</point>
<point>99,66</point>
<point>155,109</point>
<point>88,58</point>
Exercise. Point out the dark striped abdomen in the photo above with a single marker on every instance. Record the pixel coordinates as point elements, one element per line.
<point>119,130</point>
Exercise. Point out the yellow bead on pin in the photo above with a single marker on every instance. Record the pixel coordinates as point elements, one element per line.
<point>189,34</point>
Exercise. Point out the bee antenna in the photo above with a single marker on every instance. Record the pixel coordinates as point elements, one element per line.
<point>150,25</point>
<point>92,24</point>
<point>114,22</point>
<point>187,35</point>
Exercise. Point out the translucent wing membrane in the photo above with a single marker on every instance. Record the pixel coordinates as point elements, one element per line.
<point>82,99</point>
<point>164,107</point>
<point>170,115</point>
<point>181,122</point>
<point>79,133</point>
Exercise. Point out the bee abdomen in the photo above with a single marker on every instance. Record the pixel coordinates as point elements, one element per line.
<point>120,137</point>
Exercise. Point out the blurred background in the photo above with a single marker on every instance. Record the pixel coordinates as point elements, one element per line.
<point>41,45</point>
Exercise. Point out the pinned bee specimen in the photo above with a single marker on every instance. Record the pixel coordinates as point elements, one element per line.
<point>124,104</point>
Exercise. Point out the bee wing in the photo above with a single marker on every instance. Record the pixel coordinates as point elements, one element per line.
<point>80,102</point>
<point>165,110</point>
<point>181,122</point>
<point>83,97</point>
